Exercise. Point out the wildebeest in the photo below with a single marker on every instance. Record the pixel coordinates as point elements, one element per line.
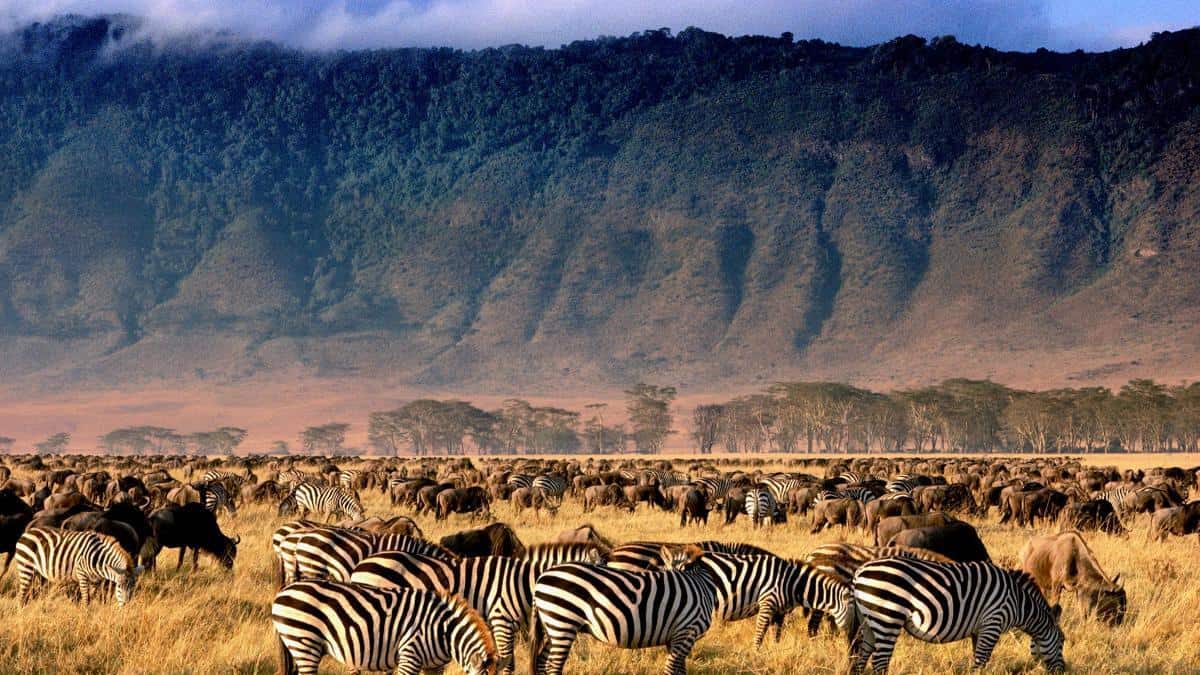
<point>531,498</point>
<point>473,500</point>
<point>604,495</point>
<point>845,511</point>
<point>896,505</point>
<point>735,504</point>
<point>584,534</point>
<point>1177,520</point>
<point>1093,514</point>
<point>649,494</point>
<point>394,525</point>
<point>194,527</point>
<point>694,507</point>
<point>1030,505</point>
<point>957,540</point>
<point>494,539</point>
<point>1063,561</point>
<point>11,529</point>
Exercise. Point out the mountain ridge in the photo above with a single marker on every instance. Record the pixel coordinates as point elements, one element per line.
<point>696,209</point>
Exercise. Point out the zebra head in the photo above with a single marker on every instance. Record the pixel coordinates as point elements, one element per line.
<point>125,578</point>
<point>288,505</point>
<point>1046,637</point>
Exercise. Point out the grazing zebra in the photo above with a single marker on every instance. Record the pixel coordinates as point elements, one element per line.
<point>520,480</point>
<point>859,492</point>
<point>768,587</point>
<point>780,486</point>
<point>717,488</point>
<point>902,484</point>
<point>290,478</point>
<point>332,553</point>
<point>546,555</point>
<point>853,477</point>
<point>86,558</point>
<point>499,588</point>
<point>625,609</point>
<point>401,631</point>
<point>553,486</point>
<point>945,602</point>
<point>329,501</point>
<point>762,506</point>
<point>217,498</point>
<point>232,480</point>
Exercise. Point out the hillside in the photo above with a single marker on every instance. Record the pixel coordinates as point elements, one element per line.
<point>708,211</point>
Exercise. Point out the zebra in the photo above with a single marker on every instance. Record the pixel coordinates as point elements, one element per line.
<point>332,553</point>
<point>902,484</point>
<point>232,480</point>
<point>500,588</point>
<point>671,608</point>
<point>87,558</point>
<point>520,480</point>
<point>330,501</point>
<point>859,492</point>
<point>217,497</point>
<point>717,488</point>
<point>553,486</point>
<point>945,602</point>
<point>780,486</point>
<point>762,506</point>
<point>401,631</point>
<point>641,556</point>
<point>768,587</point>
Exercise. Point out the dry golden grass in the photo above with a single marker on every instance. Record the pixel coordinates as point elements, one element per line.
<point>213,622</point>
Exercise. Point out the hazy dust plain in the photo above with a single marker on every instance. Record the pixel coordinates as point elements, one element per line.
<point>215,622</point>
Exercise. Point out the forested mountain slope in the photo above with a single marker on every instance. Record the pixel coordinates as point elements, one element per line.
<point>694,208</point>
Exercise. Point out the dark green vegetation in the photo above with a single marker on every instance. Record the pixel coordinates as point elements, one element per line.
<point>690,208</point>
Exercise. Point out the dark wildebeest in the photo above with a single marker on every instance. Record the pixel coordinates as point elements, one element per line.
<point>604,495</point>
<point>405,492</point>
<point>1063,561</point>
<point>264,492</point>
<point>885,507</point>
<point>735,504</point>
<point>890,526</point>
<point>1150,499</point>
<point>394,525</point>
<point>11,529</point>
<point>1177,520</point>
<point>473,500</point>
<point>1028,506</point>
<point>957,541</point>
<point>195,527</point>
<point>427,496</point>
<point>845,511</point>
<point>532,498</point>
<point>695,507</point>
<point>649,494</point>
<point>494,539</point>
<point>1094,514</point>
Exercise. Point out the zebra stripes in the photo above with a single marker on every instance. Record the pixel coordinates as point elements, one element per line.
<point>551,485</point>
<point>87,558</point>
<point>768,587</point>
<point>332,553</point>
<point>945,602</point>
<point>325,500</point>
<point>401,631</point>
<point>217,498</point>
<point>761,506</point>
<point>625,609</point>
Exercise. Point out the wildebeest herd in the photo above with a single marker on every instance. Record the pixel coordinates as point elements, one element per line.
<point>372,592</point>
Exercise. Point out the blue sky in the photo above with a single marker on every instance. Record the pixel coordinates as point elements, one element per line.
<point>336,24</point>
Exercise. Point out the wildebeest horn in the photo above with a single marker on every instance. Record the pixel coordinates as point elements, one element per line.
<point>237,540</point>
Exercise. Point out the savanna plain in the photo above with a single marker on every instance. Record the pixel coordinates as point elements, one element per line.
<point>212,621</point>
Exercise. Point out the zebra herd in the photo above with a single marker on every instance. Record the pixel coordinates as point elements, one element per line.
<point>375,599</point>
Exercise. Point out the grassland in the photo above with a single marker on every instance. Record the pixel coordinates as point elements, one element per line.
<point>210,621</point>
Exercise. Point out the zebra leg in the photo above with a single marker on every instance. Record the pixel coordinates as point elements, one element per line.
<point>814,622</point>
<point>679,649</point>
<point>884,644</point>
<point>503,632</point>
<point>984,642</point>
<point>85,590</point>
<point>24,585</point>
<point>557,652</point>
<point>765,614</point>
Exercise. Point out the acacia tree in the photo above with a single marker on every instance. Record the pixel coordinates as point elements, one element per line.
<point>1035,419</point>
<point>54,444</point>
<point>649,409</point>
<point>706,420</point>
<point>326,439</point>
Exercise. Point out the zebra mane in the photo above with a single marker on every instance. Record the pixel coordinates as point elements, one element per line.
<point>458,606</point>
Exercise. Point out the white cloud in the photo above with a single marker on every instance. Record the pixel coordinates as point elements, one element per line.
<point>349,24</point>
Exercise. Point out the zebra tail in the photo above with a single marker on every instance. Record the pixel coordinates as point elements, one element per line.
<point>537,640</point>
<point>853,627</point>
<point>287,665</point>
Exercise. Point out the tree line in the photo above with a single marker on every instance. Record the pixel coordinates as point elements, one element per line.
<point>957,415</point>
